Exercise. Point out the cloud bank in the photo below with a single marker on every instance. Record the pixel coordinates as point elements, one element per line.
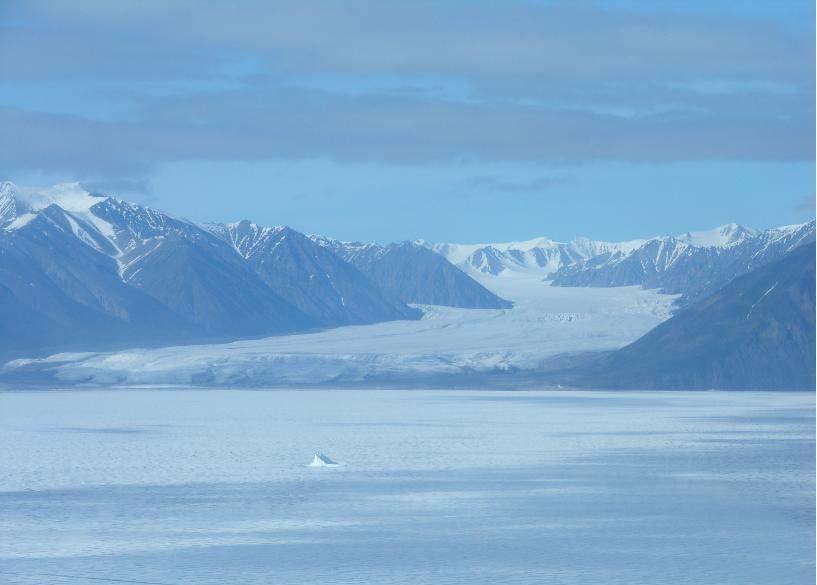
<point>406,83</point>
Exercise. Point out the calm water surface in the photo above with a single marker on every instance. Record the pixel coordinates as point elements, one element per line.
<point>211,487</point>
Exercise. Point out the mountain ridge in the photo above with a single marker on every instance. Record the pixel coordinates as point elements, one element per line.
<point>125,273</point>
<point>546,256</point>
<point>311,277</point>
<point>414,273</point>
<point>674,266</point>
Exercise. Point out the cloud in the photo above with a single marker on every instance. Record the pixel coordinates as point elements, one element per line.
<point>533,82</point>
<point>367,37</point>
<point>85,148</point>
<point>297,123</point>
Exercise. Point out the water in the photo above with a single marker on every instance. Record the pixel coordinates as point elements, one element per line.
<point>212,487</point>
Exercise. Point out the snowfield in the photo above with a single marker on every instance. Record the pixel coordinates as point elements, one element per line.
<point>544,322</point>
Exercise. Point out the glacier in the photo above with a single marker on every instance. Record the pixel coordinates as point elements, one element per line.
<point>545,322</point>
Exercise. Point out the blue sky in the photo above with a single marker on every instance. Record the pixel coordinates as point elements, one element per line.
<point>450,121</point>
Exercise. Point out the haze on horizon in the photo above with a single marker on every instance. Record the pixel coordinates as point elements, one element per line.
<point>448,121</point>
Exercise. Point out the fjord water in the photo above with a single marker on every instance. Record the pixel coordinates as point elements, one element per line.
<point>213,487</point>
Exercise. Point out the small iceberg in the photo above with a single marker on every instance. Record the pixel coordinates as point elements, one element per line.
<point>321,460</point>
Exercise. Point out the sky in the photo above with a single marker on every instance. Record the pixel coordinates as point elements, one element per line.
<point>460,121</point>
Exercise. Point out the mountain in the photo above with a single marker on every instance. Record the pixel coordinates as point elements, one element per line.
<point>693,265</point>
<point>720,237</point>
<point>756,333</point>
<point>59,290</point>
<point>83,271</point>
<point>540,256</point>
<point>195,274</point>
<point>414,273</point>
<point>311,277</point>
<point>568,262</point>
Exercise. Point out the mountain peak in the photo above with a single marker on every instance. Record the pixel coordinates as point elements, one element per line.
<point>719,237</point>
<point>69,196</point>
<point>19,205</point>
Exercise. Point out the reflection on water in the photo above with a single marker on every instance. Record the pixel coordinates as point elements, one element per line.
<point>177,487</point>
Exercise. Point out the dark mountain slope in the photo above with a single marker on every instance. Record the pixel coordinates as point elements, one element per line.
<point>203,280</point>
<point>757,333</point>
<point>57,291</point>
<point>415,274</point>
<point>107,272</point>
<point>310,277</point>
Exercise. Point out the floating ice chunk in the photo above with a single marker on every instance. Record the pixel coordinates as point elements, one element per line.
<point>321,460</point>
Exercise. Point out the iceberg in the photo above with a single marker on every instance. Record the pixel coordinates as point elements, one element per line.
<point>321,460</point>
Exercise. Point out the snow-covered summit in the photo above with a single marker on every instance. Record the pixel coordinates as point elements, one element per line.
<point>539,256</point>
<point>544,256</point>
<point>787,231</point>
<point>70,196</point>
<point>719,237</point>
<point>19,205</point>
<point>124,231</point>
<point>693,265</point>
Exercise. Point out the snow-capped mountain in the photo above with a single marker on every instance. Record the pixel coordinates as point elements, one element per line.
<point>693,265</point>
<point>544,256</point>
<point>540,256</point>
<point>311,277</point>
<point>414,273</point>
<point>82,270</point>
<point>720,237</point>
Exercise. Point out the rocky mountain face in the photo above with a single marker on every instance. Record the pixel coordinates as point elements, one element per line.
<point>414,273</point>
<point>57,291</point>
<point>85,271</point>
<point>311,277</point>
<point>756,333</point>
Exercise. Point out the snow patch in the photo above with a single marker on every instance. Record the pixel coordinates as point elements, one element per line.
<point>763,296</point>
